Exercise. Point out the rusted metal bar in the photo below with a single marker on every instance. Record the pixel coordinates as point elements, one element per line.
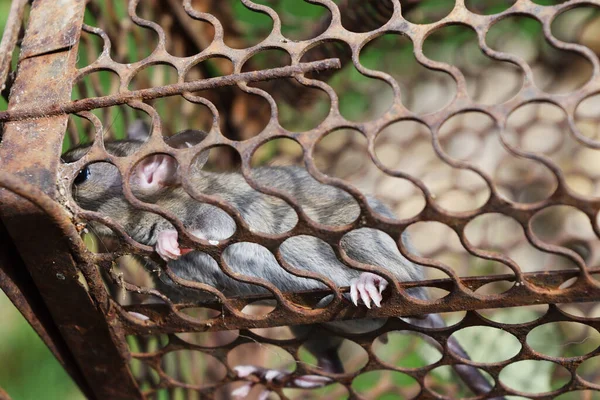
<point>14,22</point>
<point>31,150</point>
<point>200,42</point>
<point>547,282</point>
<point>168,90</point>
<point>364,16</point>
<point>19,287</point>
<point>356,16</point>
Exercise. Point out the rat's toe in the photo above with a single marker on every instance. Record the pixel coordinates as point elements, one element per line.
<point>369,287</point>
<point>241,392</point>
<point>354,292</point>
<point>364,294</point>
<point>273,374</point>
<point>264,394</point>
<point>374,294</point>
<point>167,246</point>
<point>243,371</point>
<point>312,381</point>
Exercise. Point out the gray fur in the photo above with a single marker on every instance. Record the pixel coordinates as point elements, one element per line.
<point>325,204</point>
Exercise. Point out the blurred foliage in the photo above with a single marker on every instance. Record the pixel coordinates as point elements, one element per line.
<point>29,370</point>
<point>4,8</point>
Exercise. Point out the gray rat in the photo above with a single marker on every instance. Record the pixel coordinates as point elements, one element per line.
<point>155,179</point>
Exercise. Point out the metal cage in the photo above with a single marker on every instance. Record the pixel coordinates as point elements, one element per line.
<point>477,123</point>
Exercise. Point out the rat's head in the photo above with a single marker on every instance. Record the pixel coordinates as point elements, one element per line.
<point>100,183</point>
<point>97,184</point>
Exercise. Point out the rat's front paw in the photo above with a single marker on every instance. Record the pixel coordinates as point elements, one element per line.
<point>167,246</point>
<point>273,376</point>
<point>369,286</point>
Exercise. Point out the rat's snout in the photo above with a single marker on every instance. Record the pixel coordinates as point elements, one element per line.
<point>155,172</point>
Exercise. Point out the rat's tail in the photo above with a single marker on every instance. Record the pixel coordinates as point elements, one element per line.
<point>326,352</point>
<point>471,376</point>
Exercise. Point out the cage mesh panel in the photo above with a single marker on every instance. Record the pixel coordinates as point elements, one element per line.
<point>488,158</point>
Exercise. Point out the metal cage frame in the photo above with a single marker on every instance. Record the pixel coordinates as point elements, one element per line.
<point>55,281</point>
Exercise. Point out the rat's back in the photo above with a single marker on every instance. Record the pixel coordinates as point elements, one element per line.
<point>324,204</point>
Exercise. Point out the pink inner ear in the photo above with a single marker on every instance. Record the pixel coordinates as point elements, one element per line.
<point>155,172</point>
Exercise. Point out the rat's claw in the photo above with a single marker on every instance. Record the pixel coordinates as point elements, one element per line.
<point>268,375</point>
<point>375,295</point>
<point>243,371</point>
<point>369,286</point>
<point>364,295</point>
<point>354,292</point>
<point>242,392</point>
<point>264,394</point>
<point>139,315</point>
<point>375,292</point>
<point>272,374</point>
<point>311,381</point>
<point>167,246</point>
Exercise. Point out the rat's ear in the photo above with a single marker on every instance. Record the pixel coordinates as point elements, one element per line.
<point>155,172</point>
<point>138,130</point>
<point>189,138</point>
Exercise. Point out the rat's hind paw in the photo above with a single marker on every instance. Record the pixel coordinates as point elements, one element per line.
<point>369,286</point>
<point>167,246</point>
<point>274,376</point>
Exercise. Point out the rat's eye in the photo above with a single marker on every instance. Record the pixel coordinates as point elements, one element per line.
<point>83,176</point>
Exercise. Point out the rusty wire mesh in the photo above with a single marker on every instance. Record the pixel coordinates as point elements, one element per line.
<point>480,135</point>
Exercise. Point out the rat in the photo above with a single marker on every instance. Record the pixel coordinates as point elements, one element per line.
<point>98,187</point>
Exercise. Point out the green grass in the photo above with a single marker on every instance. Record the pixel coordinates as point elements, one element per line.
<point>29,370</point>
<point>4,9</point>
